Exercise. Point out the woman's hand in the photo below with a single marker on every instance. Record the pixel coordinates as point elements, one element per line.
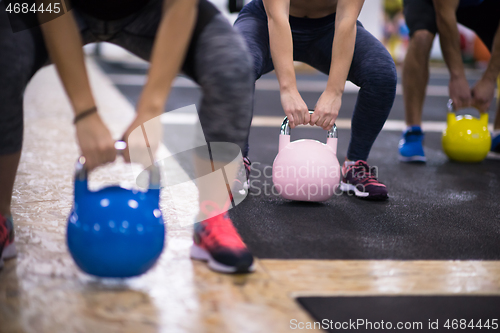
<point>143,137</point>
<point>95,141</point>
<point>460,92</point>
<point>326,110</point>
<point>295,108</point>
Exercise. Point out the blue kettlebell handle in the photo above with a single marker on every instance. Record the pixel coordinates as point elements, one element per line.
<point>81,173</point>
<point>285,128</point>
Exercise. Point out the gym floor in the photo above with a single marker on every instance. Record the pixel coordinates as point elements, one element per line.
<point>437,235</point>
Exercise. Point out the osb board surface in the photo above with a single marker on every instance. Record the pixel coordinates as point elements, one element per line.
<point>43,291</point>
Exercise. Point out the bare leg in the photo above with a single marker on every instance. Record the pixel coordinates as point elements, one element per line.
<point>8,169</point>
<point>416,75</point>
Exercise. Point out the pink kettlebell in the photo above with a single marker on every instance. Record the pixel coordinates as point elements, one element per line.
<point>306,170</point>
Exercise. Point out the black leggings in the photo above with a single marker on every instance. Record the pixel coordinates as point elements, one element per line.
<point>217,60</point>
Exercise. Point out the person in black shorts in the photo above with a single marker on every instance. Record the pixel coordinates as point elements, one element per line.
<point>174,35</point>
<point>425,18</point>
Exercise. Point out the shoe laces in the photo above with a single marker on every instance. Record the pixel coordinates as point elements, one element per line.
<point>219,227</point>
<point>363,172</point>
<point>245,171</point>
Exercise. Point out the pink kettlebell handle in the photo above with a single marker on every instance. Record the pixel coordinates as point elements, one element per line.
<point>285,128</point>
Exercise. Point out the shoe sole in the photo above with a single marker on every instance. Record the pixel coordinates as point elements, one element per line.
<point>493,155</point>
<point>198,253</point>
<point>345,187</point>
<point>244,190</point>
<point>413,159</point>
<point>8,253</point>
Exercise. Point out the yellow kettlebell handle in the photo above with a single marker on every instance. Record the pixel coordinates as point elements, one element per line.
<point>452,118</point>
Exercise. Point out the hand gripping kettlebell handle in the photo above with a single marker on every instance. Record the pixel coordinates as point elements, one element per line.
<point>451,108</point>
<point>81,173</point>
<point>285,128</point>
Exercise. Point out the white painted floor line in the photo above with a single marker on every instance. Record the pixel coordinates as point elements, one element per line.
<point>266,84</point>
<point>275,121</point>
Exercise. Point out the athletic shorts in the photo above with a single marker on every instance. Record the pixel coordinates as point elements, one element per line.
<point>483,18</point>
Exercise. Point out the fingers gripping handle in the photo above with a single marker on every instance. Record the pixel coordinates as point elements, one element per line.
<point>285,128</point>
<point>451,119</point>
<point>81,172</point>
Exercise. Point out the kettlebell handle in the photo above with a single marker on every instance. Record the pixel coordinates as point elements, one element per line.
<point>451,109</point>
<point>81,173</point>
<point>285,128</point>
<point>449,106</point>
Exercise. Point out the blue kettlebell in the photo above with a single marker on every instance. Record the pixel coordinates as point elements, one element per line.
<point>115,232</point>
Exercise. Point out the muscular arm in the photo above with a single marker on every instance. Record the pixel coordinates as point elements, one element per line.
<point>281,44</point>
<point>328,105</point>
<point>449,37</point>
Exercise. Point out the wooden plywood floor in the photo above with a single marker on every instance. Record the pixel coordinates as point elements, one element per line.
<point>43,291</point>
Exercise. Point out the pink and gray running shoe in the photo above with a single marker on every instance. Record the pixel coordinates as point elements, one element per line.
<point>361,179</point>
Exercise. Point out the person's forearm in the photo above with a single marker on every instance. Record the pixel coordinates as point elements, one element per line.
<point>342,53</point>
<point>493,69</point>
<point>169,51</point>
<point>280,39</point>
<point>64,45</point>
<point>449,36</point>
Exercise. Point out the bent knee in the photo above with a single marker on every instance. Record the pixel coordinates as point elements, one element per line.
<point>232,80</point>
<point>422,40</point>
<point>380,75</point>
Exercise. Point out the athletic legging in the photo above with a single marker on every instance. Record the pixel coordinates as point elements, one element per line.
<point>372,67</point>
<point>217,60</point>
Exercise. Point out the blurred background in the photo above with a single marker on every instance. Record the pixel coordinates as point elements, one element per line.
<point>383,18</point>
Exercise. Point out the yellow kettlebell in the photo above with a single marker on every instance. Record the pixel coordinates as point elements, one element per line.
<point>466,138</point>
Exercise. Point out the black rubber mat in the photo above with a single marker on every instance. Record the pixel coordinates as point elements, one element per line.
<point>441,210</point>
<point>402,314</point>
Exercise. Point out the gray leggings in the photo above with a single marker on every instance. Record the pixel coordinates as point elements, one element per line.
<point>372,67</point>
<point>217,60</point>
